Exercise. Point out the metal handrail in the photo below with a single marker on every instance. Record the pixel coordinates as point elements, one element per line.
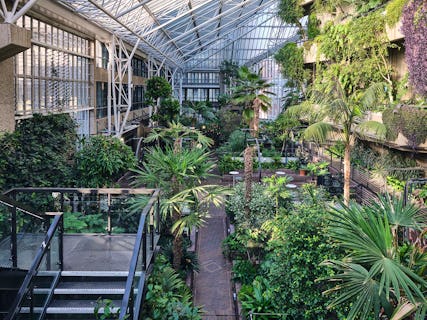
<point>14,204</point>
<point>140,241</point>
<point>30,277</point>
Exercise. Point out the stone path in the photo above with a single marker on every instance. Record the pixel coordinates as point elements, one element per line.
<point>212,284</point>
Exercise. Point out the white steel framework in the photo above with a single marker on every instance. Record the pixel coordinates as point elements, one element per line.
<point>192,34</point>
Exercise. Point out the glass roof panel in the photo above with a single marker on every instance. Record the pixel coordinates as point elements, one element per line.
<point>189,34</point>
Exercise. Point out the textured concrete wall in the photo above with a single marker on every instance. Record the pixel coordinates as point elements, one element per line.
<point>7,96</point>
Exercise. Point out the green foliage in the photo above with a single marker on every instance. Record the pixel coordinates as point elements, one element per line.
<point>233,247</point>
<point>228,71</point>
<point>262,208</point>
<point>297,247</point>
<point>364,157</point>
<point>234,145</point>
<point>227,164</point>
<point>395,183</point>
<point>158,87</point>
<point>258,298</point>
<point>168,297</point>
<point>293,165</point>
<point>38,153</point>
<point>357,51</point>
<point>244,271</point>
<point>228,121</point>
<point>409,121</point>
<point>102,160</point>
<point>168,111</point>
<point>84,223</point>
<point>394,11</point>
<point>291,61</point>
<point>290,11</point>
<point>313,26</point>
<point>373,275</point>
<point>251,94</point>
<point>109,310</point>
<point>318,168</point>
<point>337,149</point>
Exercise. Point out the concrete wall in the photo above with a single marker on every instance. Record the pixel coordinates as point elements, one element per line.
<point>7,96</point>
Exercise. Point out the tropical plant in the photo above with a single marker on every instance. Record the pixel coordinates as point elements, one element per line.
<point>168,297</point>
<point>252,95</point>
<point>257,300</point>
<point>179,172</point>
<point>414,27</point>
<point>197,113</point>
<point>102,160</point>
<point>373,278</point>
<point>276,188</point>
<point>337,111</point>
<point>158,88</point>
<point>290,11</point>
<point>167,112</point>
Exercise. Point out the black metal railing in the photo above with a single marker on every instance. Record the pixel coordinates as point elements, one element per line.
<point>143,252</point>
<point>25,293</point>
<point>16,221</point>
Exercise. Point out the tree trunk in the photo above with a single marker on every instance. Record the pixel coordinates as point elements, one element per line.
<point>248,159</point>
<point>177,245</point>
<point>347,171</point>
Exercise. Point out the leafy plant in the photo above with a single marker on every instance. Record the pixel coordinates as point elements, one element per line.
<point>102,160</point>
<point>414,27</point>
<point>244,271</point>
<point>80,223</point>
<point>373,278</point>
<point>167,112</point>
<point>262,208</point>
<point>293,165</point>
<point>38,153</point>
<point>168,297</point>
<point>318,168</point>
<point>158,87</point>
<point>233,247</point>
<point>291,61</point>
<point>395,183</point>
<point>109,311</point>
<point>226,164</point>
<point>258,298</point>
<point>394,10</point>
<point>290,11</point>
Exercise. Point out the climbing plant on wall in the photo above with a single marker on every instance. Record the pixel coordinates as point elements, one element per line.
<point>414,27</point>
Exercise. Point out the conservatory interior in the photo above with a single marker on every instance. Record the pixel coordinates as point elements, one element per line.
<point>213,159</point>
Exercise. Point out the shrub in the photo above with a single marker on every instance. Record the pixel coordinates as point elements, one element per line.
<point>262,208</point>
<point>102,160</point>
<point>38,153</point>
<point>227,164</point>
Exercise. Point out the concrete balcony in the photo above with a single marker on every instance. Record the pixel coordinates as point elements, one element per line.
<point>13,40</point>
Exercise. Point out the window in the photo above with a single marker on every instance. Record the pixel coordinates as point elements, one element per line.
<point>54,74</point>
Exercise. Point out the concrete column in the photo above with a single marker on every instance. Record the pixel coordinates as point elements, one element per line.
<point>7,96</point>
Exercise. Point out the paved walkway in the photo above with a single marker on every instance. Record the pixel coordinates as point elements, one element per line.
<point>212,285</point>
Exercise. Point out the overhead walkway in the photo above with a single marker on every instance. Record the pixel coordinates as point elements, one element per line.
<point>49,274</point>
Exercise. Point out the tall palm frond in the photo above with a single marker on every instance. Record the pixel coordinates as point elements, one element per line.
<point>400,214</point>
<point>176,130</point>
<point>318,131</point>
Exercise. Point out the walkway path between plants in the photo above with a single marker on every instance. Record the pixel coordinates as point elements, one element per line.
<point>212,285</point>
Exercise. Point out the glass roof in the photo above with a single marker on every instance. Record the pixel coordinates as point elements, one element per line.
<point>193,34</point>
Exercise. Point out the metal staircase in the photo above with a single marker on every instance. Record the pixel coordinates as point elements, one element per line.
<point>44,290</point>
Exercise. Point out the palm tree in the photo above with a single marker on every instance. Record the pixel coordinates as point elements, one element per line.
<point>252,95</point>
<point>339,112</point>
<point>373,277</point>
<point>178,172</point>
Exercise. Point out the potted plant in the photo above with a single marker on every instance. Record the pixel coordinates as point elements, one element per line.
<point>319,170</point>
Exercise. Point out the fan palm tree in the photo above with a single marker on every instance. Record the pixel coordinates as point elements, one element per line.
<point>252,95</point>
<point>339,112</point>
<point>373,277</point>
<point>178,172</point>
